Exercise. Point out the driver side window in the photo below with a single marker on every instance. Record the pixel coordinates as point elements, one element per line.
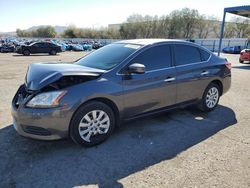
<point>157,57</point>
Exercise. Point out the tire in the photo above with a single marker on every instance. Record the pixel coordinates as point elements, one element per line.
<point>210,98</point>
<point>87,130</point>
<point>26,52</point>
<point>52,52</point>
<point>241,61</point>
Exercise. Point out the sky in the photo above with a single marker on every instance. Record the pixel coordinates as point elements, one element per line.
<point>96,13</point>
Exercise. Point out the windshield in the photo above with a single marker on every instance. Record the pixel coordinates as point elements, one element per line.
<point>108,56</point>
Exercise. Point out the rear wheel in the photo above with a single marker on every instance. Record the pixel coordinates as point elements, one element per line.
<point>93,123</point>
<point>210,98</point>
<point>26,52</point>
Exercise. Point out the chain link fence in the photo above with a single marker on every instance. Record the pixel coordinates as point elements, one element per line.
<point>213,44</point>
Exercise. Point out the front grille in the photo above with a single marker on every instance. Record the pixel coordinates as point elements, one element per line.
<point>36,130</point>
<point>22,95</point>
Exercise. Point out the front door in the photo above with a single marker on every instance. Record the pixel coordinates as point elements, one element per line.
<point>154,89</point>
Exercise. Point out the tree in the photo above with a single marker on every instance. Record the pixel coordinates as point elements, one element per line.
<point>23,33</point>
<point>183,23</point>
<point>46,32</point>
<point>242,27</point>
<point>70,32</point>
<point>229,30</point>
<point>202,27</point>
<point>175,25</point>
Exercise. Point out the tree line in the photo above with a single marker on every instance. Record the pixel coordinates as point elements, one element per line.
<point>185,23</point>
<point>47,31</point>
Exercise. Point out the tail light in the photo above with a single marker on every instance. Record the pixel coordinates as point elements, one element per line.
<point>228,65</point>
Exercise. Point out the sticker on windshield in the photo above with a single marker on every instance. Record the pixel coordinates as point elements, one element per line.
<point>132,46</point>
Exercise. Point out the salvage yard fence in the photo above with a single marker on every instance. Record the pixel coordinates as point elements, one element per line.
<point>211,44</point>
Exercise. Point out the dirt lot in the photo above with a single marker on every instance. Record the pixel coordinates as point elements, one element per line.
<point>182,148</point>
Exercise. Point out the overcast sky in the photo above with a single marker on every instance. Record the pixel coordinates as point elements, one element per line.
<point>96,13</point>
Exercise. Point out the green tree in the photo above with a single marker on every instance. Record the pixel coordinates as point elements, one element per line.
<point>70,32</point>
<point>22,33</point>
<point>242,27</point>
<point>46,32</point>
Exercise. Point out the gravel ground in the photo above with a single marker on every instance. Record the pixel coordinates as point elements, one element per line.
<point>182,148</point>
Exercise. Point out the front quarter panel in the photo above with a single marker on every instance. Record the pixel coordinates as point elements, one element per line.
<point>104,87</point>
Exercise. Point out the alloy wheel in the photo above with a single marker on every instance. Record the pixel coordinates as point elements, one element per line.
<point>94,123</point>
<point>212,97</point>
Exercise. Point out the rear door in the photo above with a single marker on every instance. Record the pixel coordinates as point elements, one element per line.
<point>193,72</point>
<point>155,88</point>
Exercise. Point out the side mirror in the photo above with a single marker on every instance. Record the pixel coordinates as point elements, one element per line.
<point>136,68</point>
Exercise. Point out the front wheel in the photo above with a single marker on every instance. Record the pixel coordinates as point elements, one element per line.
<point>210,98</point>
<point>26,52</point>
<point>93,123</point>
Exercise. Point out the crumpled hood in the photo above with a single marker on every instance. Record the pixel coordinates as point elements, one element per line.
<point>42,74</point>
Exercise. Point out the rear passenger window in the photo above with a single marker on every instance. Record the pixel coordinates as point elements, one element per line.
<point>154,58</point>
<point>46,45</point>
<point>185,54</point>
<point>204,55</point>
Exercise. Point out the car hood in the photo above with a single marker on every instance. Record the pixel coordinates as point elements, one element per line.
<point>40,75</point>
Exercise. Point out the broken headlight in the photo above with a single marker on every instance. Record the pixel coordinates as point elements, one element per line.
<point>46,99</point>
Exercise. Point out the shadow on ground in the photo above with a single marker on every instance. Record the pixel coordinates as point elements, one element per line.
<point>134,147</point>
<point>21,55</point>
<point>244,67</point>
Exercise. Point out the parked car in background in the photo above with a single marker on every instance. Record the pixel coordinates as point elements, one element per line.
<point>121,81</point>
<point>232,49</point>
<point>76,47</point>
<point>39,47</point>
<point>7,48</point>
<point>96,45</point>
<point>86,46</point>
<point>245,53</point>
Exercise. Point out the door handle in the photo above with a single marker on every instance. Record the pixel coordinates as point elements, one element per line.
<point>169,79</point>
<point>204,73</point>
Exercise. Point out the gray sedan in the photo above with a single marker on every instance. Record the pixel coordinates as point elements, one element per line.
<point>129,79</point>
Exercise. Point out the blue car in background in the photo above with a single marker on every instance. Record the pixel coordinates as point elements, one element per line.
<point>61,44</point>
<point>232,49</point>
<point>86,46</point>
<point>7,48</point>
<point>76,47</point>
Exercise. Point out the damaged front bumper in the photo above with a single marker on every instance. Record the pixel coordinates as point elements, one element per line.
<point>39,123</point>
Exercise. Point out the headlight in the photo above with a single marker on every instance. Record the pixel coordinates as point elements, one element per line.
<point>46,99</point>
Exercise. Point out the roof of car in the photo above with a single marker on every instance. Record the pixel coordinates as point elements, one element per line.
<point>147,41</point>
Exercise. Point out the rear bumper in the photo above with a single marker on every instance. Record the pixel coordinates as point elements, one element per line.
<point>245,57</point>
<point>226,83</point>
